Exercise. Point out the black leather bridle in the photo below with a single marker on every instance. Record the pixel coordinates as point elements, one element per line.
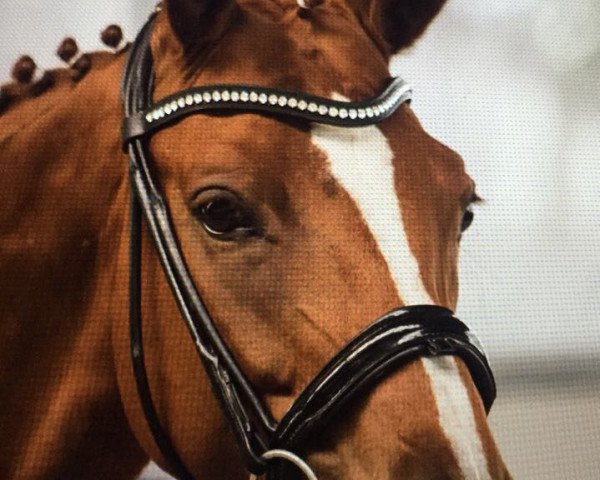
<point>396,338</point>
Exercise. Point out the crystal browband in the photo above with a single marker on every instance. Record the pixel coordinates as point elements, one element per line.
<point>270,100</point>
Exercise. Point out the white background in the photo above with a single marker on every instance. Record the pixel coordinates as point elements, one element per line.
<point>515,88</point>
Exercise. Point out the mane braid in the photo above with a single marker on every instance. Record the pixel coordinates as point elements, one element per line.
<point>21,111</point>
<point>27,86</point>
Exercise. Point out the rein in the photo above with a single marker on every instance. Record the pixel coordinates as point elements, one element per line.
<point>398,337</point>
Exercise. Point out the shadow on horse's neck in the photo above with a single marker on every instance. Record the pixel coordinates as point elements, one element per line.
<point>64,194</point>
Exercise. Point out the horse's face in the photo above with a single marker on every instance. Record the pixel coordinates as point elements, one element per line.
<point>298,236</point>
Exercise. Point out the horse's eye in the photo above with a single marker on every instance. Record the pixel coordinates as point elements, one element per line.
<point>467,220</point>
<point>223,216</point>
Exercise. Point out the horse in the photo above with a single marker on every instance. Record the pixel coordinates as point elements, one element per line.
<point>298,234</point>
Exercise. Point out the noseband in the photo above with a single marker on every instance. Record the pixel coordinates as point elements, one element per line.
<point>398,337</point>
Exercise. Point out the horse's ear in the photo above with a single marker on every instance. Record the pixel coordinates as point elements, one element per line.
<point>396,24</point>
<point>198,21</point>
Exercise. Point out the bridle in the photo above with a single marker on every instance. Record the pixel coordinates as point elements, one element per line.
<point>401,335</point>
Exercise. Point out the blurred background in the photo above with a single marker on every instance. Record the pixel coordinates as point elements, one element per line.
<point>515,88</point>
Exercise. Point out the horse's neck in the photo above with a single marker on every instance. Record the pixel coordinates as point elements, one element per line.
<point>63,195</point>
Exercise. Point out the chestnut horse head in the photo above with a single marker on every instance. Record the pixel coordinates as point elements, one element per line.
<point>298,235</point>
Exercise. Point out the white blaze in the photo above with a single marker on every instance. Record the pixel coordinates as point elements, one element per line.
<point>360,159</point>
<point>456,416</point>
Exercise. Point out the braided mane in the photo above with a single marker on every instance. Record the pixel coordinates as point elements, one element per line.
<point>36,91</point>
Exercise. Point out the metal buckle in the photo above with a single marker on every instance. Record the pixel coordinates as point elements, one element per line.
<point>290,457</point>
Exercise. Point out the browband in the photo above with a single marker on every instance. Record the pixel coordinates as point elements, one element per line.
<point>252,98</point>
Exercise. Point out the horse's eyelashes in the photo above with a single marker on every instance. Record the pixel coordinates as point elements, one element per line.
<point>467,219</point>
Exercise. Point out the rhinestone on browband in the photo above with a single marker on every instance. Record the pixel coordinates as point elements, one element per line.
<point>268,100</point>
<point>274,100</point>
